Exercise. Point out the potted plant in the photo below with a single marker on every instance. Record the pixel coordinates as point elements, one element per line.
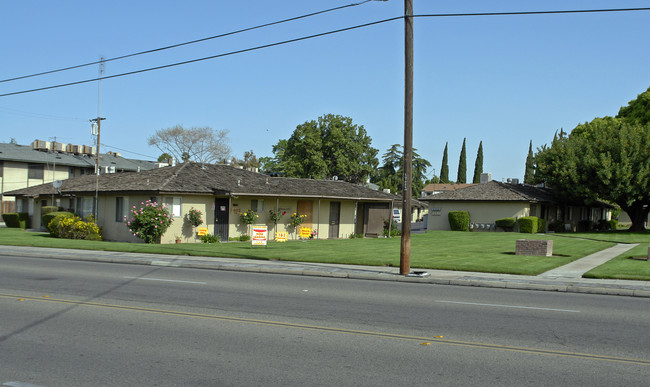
<point>178,238</point>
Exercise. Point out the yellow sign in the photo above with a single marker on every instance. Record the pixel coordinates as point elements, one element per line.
<point>202,231</point>
<point>259,235</point>
<point>305,232</point>
<point>281,236</point>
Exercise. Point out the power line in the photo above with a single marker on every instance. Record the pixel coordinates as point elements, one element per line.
<point>186,43</point>
<point>323,34</point>
<point>127,151</point>
<point>204,58</point>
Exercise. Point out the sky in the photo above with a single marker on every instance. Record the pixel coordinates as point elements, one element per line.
<point>502,80</point>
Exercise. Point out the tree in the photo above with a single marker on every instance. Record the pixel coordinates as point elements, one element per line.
<point>165,158</point>
<point>331,147</point>
<point>249,162</point>
<point>478,165</point>
<point>529,174</point>
<point>392,170</point>
<point>638,110</point>
<point>607,158</point>
<point>444,169</point>
<point>204,144</point>
<point>462,165</point>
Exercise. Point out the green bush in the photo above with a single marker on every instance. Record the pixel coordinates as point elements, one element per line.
<point>507,224</point>
<point>209,238</point>
<point>356,236</point>
<point>68,226</point>
<point>47,218</point>
<point>244,238</point>
<point>16,220</point>
<point>149,222</point>
<point>541,225</point>
<point>613,224</point>
<point>556,226</point>
<point>528,224</point>
<point>459,220</point>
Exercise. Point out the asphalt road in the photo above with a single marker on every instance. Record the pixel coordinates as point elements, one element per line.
<point>69,323</point>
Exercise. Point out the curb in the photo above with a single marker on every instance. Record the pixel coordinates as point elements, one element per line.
<point>463,279</point>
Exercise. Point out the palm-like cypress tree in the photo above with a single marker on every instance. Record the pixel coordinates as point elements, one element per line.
<point>462,165</point>
<point>478,165</point>
<point>529,174</point>
<point>444,170</point>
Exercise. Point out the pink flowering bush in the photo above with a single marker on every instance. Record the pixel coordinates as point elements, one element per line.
<point>149,222</point>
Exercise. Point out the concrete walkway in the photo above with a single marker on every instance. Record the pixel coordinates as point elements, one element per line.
<point>563,279</point>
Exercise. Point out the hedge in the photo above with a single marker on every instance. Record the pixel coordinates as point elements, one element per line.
<point>528,224</point>
<point>459,220</point>
<point>506,223</point>
<point>16,220</point>
<point>541,225</point>
<point>47,218</point>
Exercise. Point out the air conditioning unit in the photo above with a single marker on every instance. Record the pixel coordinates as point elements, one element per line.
<point>88,150</point>
<point>41,145</point>
<point>76,149</point>
<point>58,147</point>
<point>111,169</point>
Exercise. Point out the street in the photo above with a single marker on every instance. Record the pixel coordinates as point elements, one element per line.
<point>70,323</point>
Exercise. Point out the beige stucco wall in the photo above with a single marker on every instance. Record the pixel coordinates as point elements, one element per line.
<point>320,216</point>
<point>479,212</point>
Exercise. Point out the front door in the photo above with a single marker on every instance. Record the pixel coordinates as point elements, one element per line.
<point>306,207</point>
<point>221,218</point>
<point>335,215</point>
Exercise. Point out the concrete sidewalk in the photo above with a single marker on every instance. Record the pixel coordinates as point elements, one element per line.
<point>563,279</point>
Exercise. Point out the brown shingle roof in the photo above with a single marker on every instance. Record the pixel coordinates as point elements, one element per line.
<point>496,191</point>
<point>209,179</point>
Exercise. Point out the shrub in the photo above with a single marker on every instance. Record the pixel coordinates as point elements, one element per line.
<point>209,238</point>
<point>149,222</point>
<point>556,226</point>
<point>541,225</point>
<point>356,236</point>
<point>66,225</point>
<point>195,217</point>
<point>507,224</point>
<point>249,217</point>
<point>613,224</point>
<point>47,218</point>
<point>528,224</point>
<point>459,220</point>
<point>585,225</point>
<point>16,220</point>
<point>46,210</point>
<point>244,238</point>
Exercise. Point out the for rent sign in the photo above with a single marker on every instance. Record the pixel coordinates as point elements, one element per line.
<point>260,235</point>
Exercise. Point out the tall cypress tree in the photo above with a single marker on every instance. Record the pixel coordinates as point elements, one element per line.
<point>529,174</point>
<point>444,170</point>
<point>478,165</point>
<point>462,165</point>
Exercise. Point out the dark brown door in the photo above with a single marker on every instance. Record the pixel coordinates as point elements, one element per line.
<point>221,218</point>
<point>335,215</point>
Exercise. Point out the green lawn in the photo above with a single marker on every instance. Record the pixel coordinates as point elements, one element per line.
<point>626,266</point>
<point>448,250</point>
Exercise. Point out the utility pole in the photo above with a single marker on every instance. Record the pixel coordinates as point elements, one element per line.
<point>405,247</point>
<point>96,131</point>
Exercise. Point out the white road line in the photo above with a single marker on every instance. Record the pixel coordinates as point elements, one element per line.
<point>167,280</point>
<point>509,306</point>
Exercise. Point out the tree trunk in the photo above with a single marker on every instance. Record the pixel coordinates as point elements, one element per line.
<point>638,215</point>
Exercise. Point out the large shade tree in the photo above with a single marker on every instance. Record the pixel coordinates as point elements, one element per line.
<point>330,147</point>
<point>202,144</point>
<point>607,158</point>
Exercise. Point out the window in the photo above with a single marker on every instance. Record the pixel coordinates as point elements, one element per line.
<point>35,171</point>
<point>257,205</point>
<point>121,207</point>
<point>173,203</point>
<point>70,172</point>
<point>85,207</point>
<point>1,167</point>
